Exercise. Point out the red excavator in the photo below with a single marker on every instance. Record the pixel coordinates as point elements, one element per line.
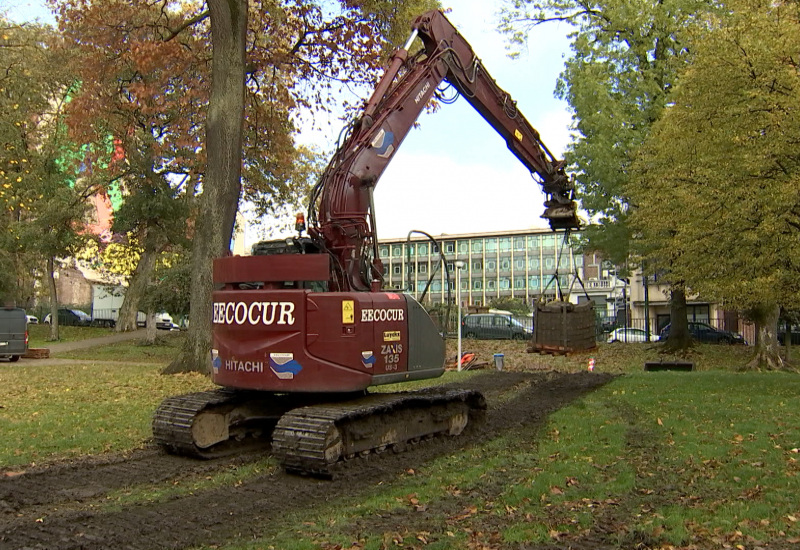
<point>302,328</point>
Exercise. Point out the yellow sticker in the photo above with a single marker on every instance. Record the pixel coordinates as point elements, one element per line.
<point>518,135</point>
<point>348,312</point>
<point>391,336</point>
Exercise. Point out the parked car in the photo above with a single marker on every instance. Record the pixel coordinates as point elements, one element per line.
<point>71,317</point>
<point>13,333</point>
<point>630,335</point>
<point>32,319</point>
<point>703,332</point>
<point>494,326</point>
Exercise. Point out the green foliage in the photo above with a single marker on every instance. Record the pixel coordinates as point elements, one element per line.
<point>43,179</point>
<point>717,185</point>
<point>626,57</point>
<point>514,305</point>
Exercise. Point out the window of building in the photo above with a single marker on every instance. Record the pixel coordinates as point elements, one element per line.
<point>505,244</point>
<point>397,250</point>
<point>477,284</point>
<point>436,286</point>
<point>464,285</point>
<point>579,261</point>
<point>533,242</point>
<point>411,249</point>
<point>463,247</point>
<point>505,283</point>
<point>491,266</point>
<point>477,266</point>
<point>476,303</point>
<point>519,243</point>
<point>533,263</point>
<point>423,268</point>
<point>422,249</point>
<point>491,245</point>
<point>435,249</point>
<point>449,247</point>
<point>519,283</point>
<point>490,284</point>
<point>549,262</point>
<point>451,267</point>
<point>477,246</point>
<point>519,263</point>
<point>548,241</point>
<point>384,251</point>
<point>564,281</point>
<point>533,282</point>
<point>505,264</point>
<point>564,262</point>
<point>396,269</point>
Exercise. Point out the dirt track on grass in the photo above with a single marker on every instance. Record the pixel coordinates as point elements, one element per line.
<point>66,506</point>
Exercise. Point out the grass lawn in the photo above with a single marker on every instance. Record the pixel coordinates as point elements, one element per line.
<point>701,460</point>
<point>39,335</point>
<point>704,459</point>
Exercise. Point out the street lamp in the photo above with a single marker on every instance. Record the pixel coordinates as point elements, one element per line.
<point>459,265</point>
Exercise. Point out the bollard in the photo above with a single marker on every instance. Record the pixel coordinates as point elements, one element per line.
<point>498,361</point>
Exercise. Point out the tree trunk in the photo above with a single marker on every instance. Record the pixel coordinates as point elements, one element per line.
<point>222,187</point>
<point>137,286</point>
<point>767,354</point>
<point>679,337</point>
<point>151,331</point>
<point>51,281</point>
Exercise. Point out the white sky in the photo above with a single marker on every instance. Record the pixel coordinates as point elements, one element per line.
<point>454,174</point>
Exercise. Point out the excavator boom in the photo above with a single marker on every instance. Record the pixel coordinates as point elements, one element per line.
<point>346,221</point>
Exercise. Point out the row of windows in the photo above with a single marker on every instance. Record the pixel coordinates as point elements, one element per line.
<point>503,283</point>
<point>492,265</point>
<point>476,246</point>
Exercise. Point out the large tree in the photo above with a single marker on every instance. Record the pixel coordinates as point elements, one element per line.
<point>717,186</point>
<point>148,65</point>
<point>46,180</point>
<point>626,58</point>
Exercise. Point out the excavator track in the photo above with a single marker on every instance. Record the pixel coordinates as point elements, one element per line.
<point>316,440</point>
<point>213,423</point>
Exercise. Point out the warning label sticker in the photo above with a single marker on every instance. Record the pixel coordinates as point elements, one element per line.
<point>348,312</point>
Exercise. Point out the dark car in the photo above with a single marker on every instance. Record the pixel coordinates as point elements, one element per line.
<point>703,332</point>
<point>71,317</point>
<point>494,326</point>
<point>13,333</point>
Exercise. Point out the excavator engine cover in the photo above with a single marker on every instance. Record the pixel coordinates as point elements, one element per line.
<point>297,340</point>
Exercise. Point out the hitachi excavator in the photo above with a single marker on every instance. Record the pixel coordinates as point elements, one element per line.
<point>302,328</point>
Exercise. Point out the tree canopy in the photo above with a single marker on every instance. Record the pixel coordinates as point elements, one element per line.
<point>718,181</point>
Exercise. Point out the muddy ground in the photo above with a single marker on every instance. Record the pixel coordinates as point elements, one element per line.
<point>53,507</point>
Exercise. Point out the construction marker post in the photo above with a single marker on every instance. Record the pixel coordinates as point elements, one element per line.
<point>591,364</point>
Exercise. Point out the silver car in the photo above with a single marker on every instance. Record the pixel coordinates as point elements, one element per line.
<point>630,335</point>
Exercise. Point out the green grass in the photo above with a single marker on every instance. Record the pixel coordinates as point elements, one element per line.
<point>39,335</point>
<point>165,348</point>
<point>57,411</point>
<point>708,458</point>
<point>705,458</point>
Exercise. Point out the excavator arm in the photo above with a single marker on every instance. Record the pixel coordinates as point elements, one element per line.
<point>342,213</point>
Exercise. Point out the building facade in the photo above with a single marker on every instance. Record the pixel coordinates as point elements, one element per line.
<point>525,264</point>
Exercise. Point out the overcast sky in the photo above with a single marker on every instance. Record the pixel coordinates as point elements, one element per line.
<point>454,173</point>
